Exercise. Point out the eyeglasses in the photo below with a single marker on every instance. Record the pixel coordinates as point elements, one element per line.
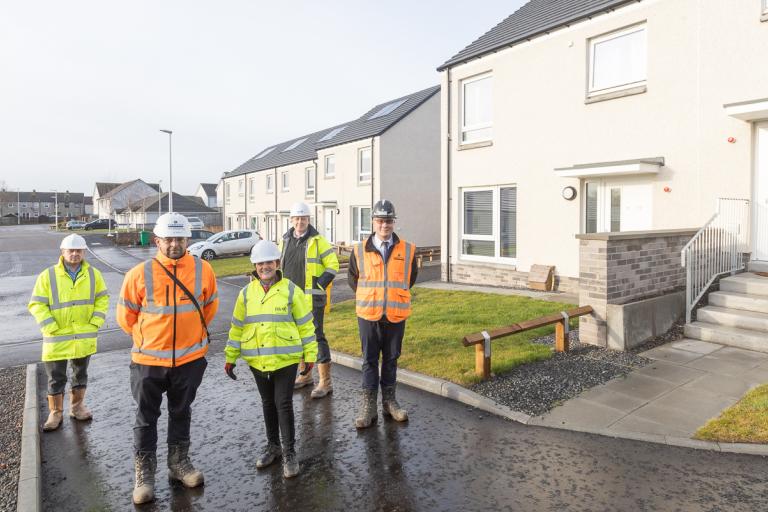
<point>384,221</point>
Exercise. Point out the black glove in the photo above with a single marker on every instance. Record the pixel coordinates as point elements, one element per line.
<point>307,368</point>
<point>229,369</point>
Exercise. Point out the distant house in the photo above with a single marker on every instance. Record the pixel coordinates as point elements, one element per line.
<point>40,206</point>
<point>122,195</point>
<point>207,192</point>
<point>88,206</point>
<point>144,212</point>
<point>99,190</point>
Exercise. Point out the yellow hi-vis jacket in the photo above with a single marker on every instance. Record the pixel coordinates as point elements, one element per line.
<point>69,313</point>
<point>272,330</point>
<point>320,261</point>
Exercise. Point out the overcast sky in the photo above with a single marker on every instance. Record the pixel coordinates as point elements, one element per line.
<point>86,85</point>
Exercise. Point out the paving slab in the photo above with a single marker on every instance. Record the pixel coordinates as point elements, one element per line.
<point>721,385</point>
<point>640,386</point>
<point>639,425</point>
<point>741,356</point>
<point>715,365</point>
<point>604,395</point>
<point>757,375</point>
<point>670,372</point>
<point>701,347</point>
<point>579,413</point>
<point>671,354</point>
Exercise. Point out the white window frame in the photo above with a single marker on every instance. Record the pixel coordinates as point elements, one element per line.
<point>331,158</point>
<point>357,211</point>
<point>285,183</point>
<point>270,186</point>
<point>765,9</point>
<point>495,235</point>
<point>23,205</point>
<point>241,187</point>
<point>627,192</point>
<point>10,205</point>
<point>252,189</point>
<point>593,42</point>
<point>361,178</point>
<point>464,137</point>
<point>309,184</point>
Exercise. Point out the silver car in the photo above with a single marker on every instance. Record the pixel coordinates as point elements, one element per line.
<point>226,243</point>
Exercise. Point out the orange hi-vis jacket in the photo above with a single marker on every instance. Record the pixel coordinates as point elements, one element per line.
<point>383,287</point>
<point>163,321</point>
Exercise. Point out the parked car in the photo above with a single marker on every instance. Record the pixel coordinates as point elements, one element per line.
<point>226,243</point>
<point>100,224</point>
<point>200,234</point>
<point>195,223</point>
<point>75,224</point>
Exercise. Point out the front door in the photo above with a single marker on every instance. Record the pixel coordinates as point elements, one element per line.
<point>329,224</point>
<point>760,192</point>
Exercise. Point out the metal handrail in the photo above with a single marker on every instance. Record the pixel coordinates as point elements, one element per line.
<point>716,249</point>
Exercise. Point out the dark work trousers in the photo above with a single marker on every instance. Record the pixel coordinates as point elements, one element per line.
<point>57,374</point>
<point>276,390</point>
<point>385,338</point>
<point>148,383</point>
<point>318,312</point>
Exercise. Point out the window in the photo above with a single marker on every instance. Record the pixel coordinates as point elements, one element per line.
<point>364,165</point>
<point>240,187</point>
<point>489,223</point>
<point>23,205</point>
<point>284,181</point>
<point>309,181</point>
<point>264,153</point>
<point>270,185</point>
<point>613,207</point>
<point>331,134</point>
<point>330,166</point>
<point>476,114</point>
<point>387,109</point>
<point>251,188</point>
<point>255,223</point>
<point>47,206</point>
<point>227,192</point>
<point>361,223</point>
<point>294,144</point>
<point>765,6</point>
<point>617,60</point>
<point>10,205</point>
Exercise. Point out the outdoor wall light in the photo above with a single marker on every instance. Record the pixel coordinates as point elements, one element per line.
<point>569,193</point>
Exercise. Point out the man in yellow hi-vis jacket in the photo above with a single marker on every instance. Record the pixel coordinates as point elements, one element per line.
<point>70,303</point>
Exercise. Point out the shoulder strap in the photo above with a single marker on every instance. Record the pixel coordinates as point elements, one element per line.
<point>189,294</point>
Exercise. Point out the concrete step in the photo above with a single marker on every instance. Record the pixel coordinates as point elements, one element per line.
<point>731,336</point>
<point>747,282</point>
<point>734,318</point>
<point>758,266</point>
<point>741,301</point>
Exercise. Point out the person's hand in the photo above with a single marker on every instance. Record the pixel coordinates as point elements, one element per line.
<point>307,368</point>
<point>229,369</point>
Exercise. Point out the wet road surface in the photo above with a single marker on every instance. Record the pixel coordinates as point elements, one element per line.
<point>448,457</point>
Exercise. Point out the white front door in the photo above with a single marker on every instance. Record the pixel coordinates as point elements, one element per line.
<point>760,199</point>
<point>329,224</point>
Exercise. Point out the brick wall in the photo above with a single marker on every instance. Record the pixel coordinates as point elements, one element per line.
<point>617,268</point>
<point>487,274</point>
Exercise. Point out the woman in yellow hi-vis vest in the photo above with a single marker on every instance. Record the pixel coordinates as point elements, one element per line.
<point>70,303</point>
<point>381,272</point>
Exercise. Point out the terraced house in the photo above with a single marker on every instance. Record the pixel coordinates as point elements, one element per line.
<point>598,136</point>
<point>391,151</point>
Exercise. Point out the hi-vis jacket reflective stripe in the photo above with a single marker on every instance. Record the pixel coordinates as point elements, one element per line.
<point>274,329</point>
<point>69,313</point>
<point>383,287</point>
<point>320,260</point>
<point>163,321</point>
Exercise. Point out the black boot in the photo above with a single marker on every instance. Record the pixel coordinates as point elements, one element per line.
<point>368,415</point>
<point>270,454</point>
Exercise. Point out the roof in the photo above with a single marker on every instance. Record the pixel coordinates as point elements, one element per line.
<point>535,18</point>
<point>126,185</point>
<point>374,122</point>
<point>103,188</point>
<point>181,204</point>
<point>209,189</point>
<point>42,196</point>
<point>88,200</point>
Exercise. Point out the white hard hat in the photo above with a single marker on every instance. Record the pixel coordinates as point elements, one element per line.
<point>172,225</point>
<point>73,242</point>
<point>265,250</point>
<point>300,210</point>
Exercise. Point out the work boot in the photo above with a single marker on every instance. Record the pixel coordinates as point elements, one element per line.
<point>55,412</point>
<point>77,408</point>
<point>180,467</point>
<point>302,380</point>
<point>145,464</point>
<point>290,463</point>
<point>324,386</point>
<point>368,415</point>
<point>271,453</point>
<point>390,406</point>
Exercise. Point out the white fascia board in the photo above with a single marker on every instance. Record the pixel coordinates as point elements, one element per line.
<point>748,110</point>
<point>609,170</point>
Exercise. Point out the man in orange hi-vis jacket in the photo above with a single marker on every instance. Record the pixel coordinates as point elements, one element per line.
<point>166,304</point>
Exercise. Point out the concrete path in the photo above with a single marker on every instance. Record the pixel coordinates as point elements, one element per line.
<point>567,298</point>
<point>689,383</point>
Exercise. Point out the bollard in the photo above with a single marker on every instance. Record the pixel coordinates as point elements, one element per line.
<point>483,357</point>
<point>561,334</point>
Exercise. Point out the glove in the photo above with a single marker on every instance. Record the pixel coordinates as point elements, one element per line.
<point>229,369</point>
<point>307,368</point>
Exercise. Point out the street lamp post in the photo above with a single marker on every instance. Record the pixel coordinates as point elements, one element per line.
<point>170,169</point>
<point>56,207</point>
<point>18,206</point>
<point>159,198</point>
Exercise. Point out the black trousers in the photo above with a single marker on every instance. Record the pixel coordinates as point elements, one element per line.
<point>148,383</point>
<point>385,338</point>
<point>276,390</point>
<point>323,350</point>
<point>57,374</point>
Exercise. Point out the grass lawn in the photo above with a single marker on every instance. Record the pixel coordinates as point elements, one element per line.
<point>232,266</point>
<point>439,321</point>
<point>744,422</point>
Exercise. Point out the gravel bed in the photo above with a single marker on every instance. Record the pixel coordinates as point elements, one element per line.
<point>536,388</point>
<point>12,385</point>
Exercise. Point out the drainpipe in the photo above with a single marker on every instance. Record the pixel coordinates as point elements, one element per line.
<point>277,217</point>
<point>316,194</point>
<point>247,224</point>
<point>372,173</point>
<point>448,183</point>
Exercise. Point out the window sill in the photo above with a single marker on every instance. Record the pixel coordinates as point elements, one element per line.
<point>764,17</point>
<point>364,182</point>
<point>616,94</point>
<point>510,263</point>
<point>331,177</point>
<point>474,145</point>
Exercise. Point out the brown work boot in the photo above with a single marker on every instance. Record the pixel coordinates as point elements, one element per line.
<point>368,415</point>
<point>55,412</point>
<point>302,380</point>
<point>390,406</point>
<point>77,408</point>
<point>145,464</point>
<point>180,467</point>
<point>324,386</point>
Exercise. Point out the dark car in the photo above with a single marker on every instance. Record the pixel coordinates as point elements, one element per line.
<point>201,234</point>
<point>100,224</point>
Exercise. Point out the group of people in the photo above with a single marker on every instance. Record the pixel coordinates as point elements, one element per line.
<point>167,303</point>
